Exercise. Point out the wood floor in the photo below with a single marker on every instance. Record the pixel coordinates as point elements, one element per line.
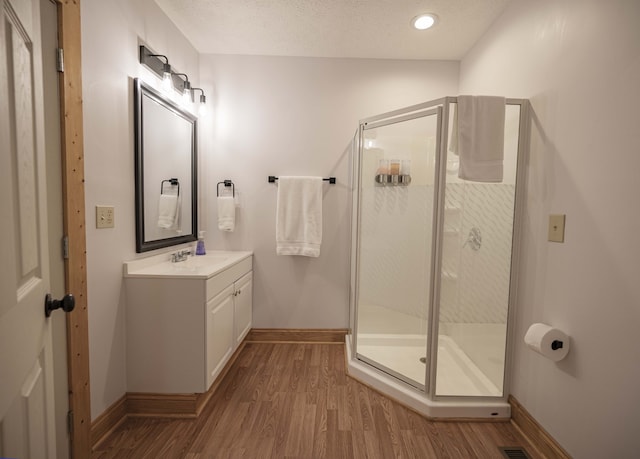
<point>296,401</point>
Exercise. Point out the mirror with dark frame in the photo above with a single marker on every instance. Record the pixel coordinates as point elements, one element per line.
<point>165,169</point>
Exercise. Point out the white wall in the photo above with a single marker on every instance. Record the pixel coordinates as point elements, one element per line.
<point>579,63</point>
<point>271,116</point>
<point>297,116</point>
<point>110,34</point>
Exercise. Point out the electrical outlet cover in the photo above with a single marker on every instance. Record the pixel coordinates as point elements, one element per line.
<point>105,217</point>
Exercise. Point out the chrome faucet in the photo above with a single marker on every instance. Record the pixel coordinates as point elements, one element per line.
<point>181,255</point>
<point>474,240</point>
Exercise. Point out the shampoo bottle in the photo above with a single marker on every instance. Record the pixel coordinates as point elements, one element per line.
<point>200,246</point>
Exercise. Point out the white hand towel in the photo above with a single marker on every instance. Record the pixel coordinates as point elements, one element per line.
<point>167,211</point>
<point>226,213</point>
<point>299,216</point>
<point>480,137</point>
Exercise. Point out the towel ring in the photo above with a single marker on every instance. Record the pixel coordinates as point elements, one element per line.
<point>226,183</point>
<point>173,182</point>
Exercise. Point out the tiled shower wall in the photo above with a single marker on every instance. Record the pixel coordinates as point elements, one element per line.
<point>396,250</point>
<point>395,256</point>
<point>476,282</point>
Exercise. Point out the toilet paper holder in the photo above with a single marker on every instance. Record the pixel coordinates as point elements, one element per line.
<point>547,341</point>
<point>556,344</point>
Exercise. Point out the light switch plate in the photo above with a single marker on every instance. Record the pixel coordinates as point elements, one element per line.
<point>556,227</point>
<point>105,216</point>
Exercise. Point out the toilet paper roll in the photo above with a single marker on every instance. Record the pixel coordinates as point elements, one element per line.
<point>547,341</point>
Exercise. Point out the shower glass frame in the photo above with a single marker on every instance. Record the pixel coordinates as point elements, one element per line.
<point>442,105</point>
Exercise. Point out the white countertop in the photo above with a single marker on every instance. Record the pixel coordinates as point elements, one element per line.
<point>195,267</point>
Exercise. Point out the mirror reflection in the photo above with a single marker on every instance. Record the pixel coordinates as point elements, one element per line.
<point>165,171</point>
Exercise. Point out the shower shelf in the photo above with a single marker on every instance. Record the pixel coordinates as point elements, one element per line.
<point>449,276</point>
<point>452,220</point>
<point>392,180</point>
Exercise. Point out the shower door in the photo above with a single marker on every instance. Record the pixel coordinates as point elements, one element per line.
<point>396,177</point>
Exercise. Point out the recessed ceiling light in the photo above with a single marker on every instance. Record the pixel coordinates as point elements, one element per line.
<point>424,21</point>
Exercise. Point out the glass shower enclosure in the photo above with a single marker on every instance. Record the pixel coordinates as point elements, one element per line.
<point>432,257</point>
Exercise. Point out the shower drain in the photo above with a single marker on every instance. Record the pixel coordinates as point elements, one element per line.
<point>423,360</point>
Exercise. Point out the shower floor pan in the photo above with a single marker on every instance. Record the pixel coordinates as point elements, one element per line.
<point>457,376</point>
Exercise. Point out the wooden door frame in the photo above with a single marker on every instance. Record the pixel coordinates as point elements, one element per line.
<point>75,264</point>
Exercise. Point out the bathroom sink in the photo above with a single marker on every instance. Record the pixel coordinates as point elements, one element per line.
<point>199,266</point>
<point>200,261</point>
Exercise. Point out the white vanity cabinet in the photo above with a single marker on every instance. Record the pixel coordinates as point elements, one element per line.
<point>228,322</point>
<point>243,306</point>
<point>185,320</point>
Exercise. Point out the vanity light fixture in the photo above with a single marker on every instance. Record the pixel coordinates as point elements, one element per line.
<point>202,110</point>
<point>159,64</point>
<point>155,63</point>
<point>424,21</point>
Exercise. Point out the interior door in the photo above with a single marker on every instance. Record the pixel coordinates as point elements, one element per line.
<point>26,376</point>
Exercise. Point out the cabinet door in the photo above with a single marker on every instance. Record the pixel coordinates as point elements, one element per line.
<point>243,306</point>
<point>220,337</point>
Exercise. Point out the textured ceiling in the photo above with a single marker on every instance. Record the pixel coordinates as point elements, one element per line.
<point>333,28</point>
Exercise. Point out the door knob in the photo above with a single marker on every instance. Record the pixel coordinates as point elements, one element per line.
<point>67,303</point>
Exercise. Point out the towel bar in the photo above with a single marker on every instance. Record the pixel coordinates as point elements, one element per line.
<point>331,180</point>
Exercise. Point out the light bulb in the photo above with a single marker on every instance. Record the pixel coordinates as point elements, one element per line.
<point>186,96</point>
<point>202,110</point>
<point>186,92</point>
<point>166,82</point>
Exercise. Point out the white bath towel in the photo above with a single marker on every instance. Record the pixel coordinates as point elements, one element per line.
<point>480,137</point>
<point>226,213</point>
<point>299,216</point>
<point>168,211</point>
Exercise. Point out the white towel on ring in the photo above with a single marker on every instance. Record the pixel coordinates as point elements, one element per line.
<point>299,216</point>
<point>168,211</point>
<point>226,213</point>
